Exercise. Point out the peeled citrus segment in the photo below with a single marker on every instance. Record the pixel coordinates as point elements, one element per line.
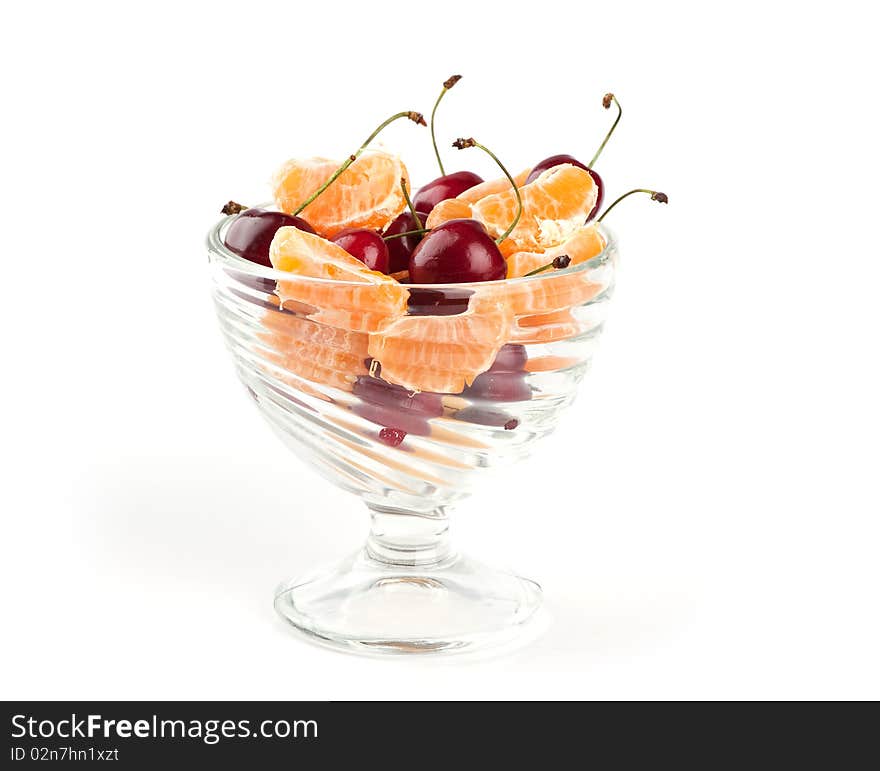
<point>555,205</point>
<point>315,352</point>
<point>366,195</point>
<point>450,209</point>
<point>461,207</point>
<point>442,354</point>
<point>544,305</point>
<point>584,244</point>
<point>550,363</point>
<point>362,303</point>
<point>546,327</point>
<point>550,293</point>
<point>475,193</point>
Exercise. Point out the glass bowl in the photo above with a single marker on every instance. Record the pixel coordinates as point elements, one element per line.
<point>314,367</point>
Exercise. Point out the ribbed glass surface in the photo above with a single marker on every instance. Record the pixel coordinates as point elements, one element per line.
<point>325,369</point>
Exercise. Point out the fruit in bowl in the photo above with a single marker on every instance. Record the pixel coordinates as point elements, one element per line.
<point>404,345</point>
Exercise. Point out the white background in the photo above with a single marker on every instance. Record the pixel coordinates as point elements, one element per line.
<point>705,522</point>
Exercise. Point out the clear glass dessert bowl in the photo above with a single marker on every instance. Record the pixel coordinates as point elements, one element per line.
<point>326,373</point>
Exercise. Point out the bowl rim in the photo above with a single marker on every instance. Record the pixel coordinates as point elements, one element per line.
<point>217,252</point>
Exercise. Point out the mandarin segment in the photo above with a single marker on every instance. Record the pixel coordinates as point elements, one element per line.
<point>450,209</point>
<point>314,352</point>
<point>555,205</point>
<point>584,244</point>
<point>443,354</point>
<point>357,298</point>
<point>546,327</point>
<point>499,185</point>
<point>541,295</point>
<point>461,207</point>
<point>366,195</point>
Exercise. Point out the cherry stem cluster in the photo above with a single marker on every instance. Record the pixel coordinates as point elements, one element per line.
<point>415,117</point>
<point>461,144</point>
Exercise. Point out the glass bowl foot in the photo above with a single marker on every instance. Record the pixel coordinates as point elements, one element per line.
<point>368,605</point>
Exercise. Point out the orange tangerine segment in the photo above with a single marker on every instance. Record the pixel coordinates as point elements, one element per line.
<point>548,294</point>
<point>555,205</point>
<point>475,193</point>
<point>450,209</point>
<point>584,244</point>
<point>442,354</point>
<point>362,304</point>
<point>543,305</point>
<point>315,352</point>
<point>462,206</point>
<point>545,327</point>
<point>550,363</point>
<point>366,195</point>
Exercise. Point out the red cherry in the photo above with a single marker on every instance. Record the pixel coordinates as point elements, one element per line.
<point>499,387</point>
<point>393,406</point>
<point>367,246</point>
<point>505,380</point>
<point>437,302</point>
<point>511,358</point>
<point>447,186</point>
<point>399,249</point>
<point>252,231</point>
<point>457,252</point>
<point>558,160</point>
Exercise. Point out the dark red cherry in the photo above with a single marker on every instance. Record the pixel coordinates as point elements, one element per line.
<point>437,302</point>
<point>499,387</point>
<point>367,246</point>
<point>393,406</point>
<point>511,358</point>
<point>505,380</point>
<point>252,231</point>
<point>399,249</point>
<point>457,252</point>
<point>556,160</point>
<point>447,186</point>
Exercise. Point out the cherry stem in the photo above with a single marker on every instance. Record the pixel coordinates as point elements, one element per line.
<point>409,203</point>
<point>606,103</point>
<point>558,263</point>
<point>447,84</point>
<point>419,232</point>
<point>461,144</point>
<point>655,196</point>
<point>416,117</point>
